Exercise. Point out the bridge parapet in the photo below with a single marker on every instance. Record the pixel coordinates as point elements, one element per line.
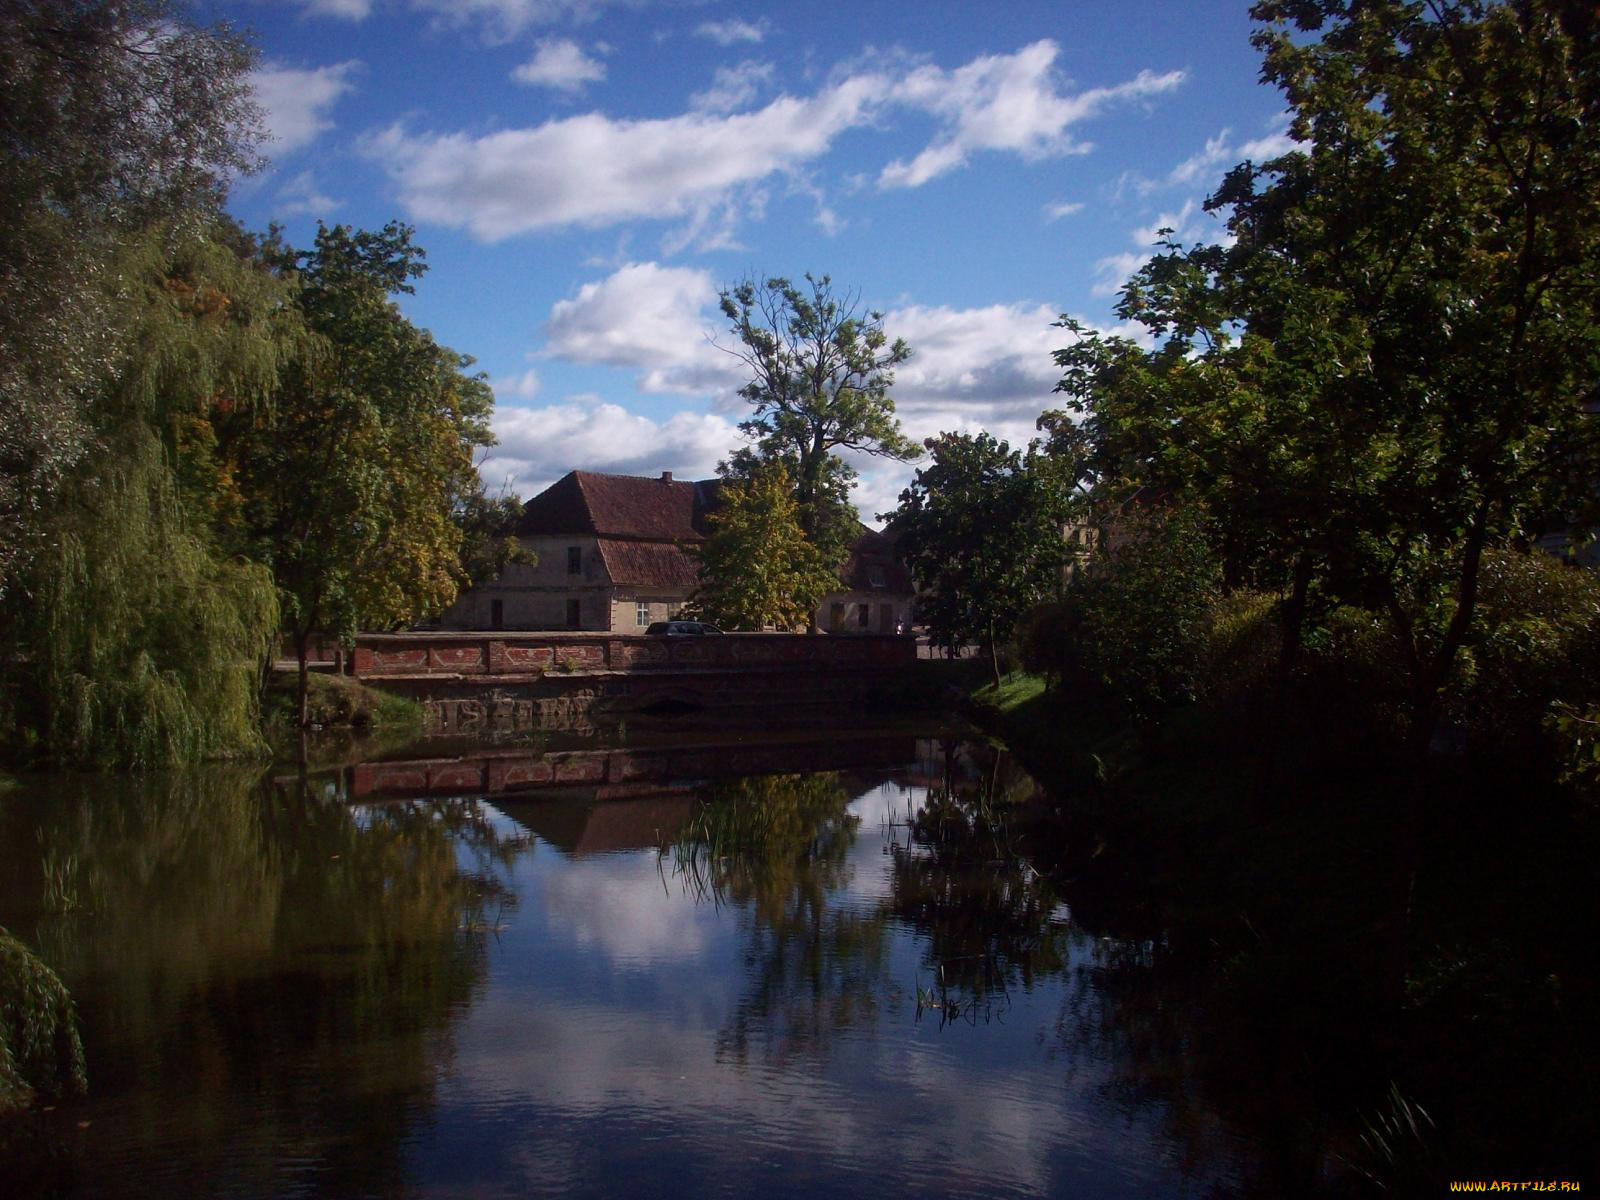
<point>527,656</point>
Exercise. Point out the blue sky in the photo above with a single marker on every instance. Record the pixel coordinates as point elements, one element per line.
<point>586,174</point>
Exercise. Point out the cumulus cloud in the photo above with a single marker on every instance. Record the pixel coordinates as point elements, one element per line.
<point>657,320</point>
<point>516,387</point>
<point>708,163</point>
<point>296,102</point>
<point>733,30</point>
<point>594,171</point>
<point>560,63</point>
<point>539,445</point>
<point>1005,102</point>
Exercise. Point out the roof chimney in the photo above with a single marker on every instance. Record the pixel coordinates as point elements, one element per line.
<point>666,477</point>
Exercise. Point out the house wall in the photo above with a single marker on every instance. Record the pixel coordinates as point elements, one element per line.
<point>659,606</point>
<point>887,612</point>
<point>536,596</point>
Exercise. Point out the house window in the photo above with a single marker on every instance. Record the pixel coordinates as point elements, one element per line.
<point>574,614</point>
<point>574,560</point>
<point>863,616</point>
<point>836,616</point>
<point>875,576</point>
<point>497,614</point>
<point>641,614</point>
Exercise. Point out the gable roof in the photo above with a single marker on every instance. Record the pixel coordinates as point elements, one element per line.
<point>621,506</point>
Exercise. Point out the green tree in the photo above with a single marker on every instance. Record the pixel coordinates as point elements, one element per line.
<point>821,371</point>
<point>758,568</point>
<point>1386,372</point>
<point>115,115</point>
<point>981,529</point>
<point>350,478</point>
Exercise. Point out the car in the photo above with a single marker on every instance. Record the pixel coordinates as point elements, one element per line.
<point>682,629</point>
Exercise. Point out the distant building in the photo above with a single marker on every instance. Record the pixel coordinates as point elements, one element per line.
<point>615,555</point>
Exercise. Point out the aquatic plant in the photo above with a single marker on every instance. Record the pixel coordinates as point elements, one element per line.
<point>40,1049</point>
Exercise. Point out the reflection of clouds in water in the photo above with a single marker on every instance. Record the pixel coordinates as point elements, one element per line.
<point>869,880</point>
<point>942,1126</point>
<point>616,904</point>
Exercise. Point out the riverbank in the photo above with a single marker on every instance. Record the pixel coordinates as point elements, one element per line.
<point>1455,978</point>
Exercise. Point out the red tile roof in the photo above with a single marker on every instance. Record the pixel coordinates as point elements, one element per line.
<point>620,506</point>
<point>649,564</point>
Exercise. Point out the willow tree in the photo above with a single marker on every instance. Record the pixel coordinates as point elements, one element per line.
<point>350,479</point>
<point>145,636</point>
<point>115,115</point>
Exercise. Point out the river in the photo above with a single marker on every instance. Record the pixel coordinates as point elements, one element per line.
<point>669,964</point>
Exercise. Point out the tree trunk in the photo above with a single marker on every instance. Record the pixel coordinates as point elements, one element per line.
<point>994,655</point>
<point>303,683</point>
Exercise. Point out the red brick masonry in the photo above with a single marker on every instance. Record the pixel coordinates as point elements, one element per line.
<point>533,655</point>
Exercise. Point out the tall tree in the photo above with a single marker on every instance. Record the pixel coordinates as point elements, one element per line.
<point>114,115</point>
<point>350,479</point>
<point>821,370</point>
<point>758,568</point>
<point>1388,369</point>
<point>980,528</point>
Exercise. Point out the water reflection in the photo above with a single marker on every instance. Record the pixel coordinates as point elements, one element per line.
<point>650,969</point>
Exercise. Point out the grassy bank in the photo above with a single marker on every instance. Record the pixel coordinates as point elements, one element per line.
<point>338,702</point>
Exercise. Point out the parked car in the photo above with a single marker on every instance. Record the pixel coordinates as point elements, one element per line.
<point>682,629</point>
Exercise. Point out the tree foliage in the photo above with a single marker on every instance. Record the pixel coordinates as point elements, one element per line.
<point>821,370</point>
<point>758,568</point>
<point>115,116</point>
<point>980,528</point>
<point>351,478</point>
<point>1386,371</point>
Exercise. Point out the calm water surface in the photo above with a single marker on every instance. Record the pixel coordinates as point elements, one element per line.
<point>771,966</point>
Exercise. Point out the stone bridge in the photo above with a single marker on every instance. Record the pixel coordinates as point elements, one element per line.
<point>475,683</point>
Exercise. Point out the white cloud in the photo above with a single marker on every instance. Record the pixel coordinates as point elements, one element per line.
<point>1188,225</point>
<point>594,171</point>
<point>296,102</point>
<point>504,20</point>
<point>652,318</point>
<point>733,88</point>
<point>1062,208</point>
<point>561,64</point>
<point>300,196</point>
<point>539,445</point>
<point>733,30</point>
<point>516,387</point>
<point>344,10</point>
<point>1005,102</point>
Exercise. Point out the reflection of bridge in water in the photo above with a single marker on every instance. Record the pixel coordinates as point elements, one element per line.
<point>588,801</point>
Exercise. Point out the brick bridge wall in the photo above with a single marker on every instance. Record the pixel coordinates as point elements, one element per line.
<point>503,657</point>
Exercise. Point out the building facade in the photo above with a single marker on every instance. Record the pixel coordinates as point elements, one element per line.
<point>615,554</point>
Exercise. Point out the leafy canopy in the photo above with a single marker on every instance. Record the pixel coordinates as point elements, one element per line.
<point>758,568</point>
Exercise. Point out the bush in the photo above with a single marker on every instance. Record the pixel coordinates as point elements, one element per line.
<point>1136,624</point>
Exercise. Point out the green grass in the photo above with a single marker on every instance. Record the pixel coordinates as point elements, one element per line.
<point>336,702</point>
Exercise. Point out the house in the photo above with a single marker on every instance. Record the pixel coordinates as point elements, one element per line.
<point>877,590</point>
<point>615,554</point>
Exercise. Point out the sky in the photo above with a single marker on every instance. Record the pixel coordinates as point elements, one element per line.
<point>586,175</point>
